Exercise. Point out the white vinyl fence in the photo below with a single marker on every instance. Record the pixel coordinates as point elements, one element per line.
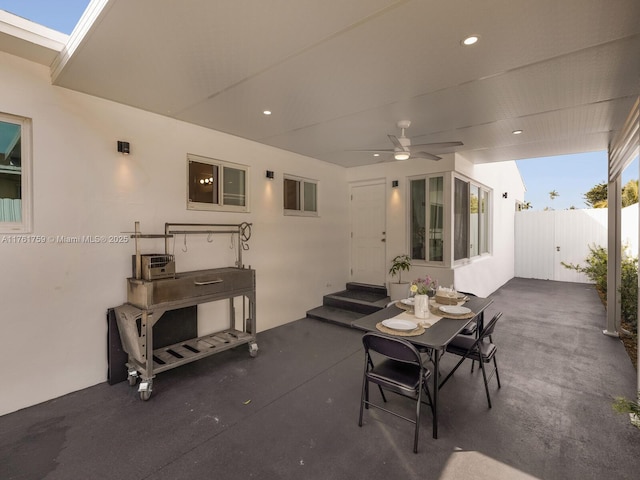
<point>545,239</point>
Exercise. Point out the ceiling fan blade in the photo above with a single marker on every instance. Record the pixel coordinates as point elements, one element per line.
<point>439,145</point>
<point>396,142</point>
<point>428,156</point>
<point>372,151</point>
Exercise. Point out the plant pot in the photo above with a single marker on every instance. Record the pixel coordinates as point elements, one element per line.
<point>398,291</point>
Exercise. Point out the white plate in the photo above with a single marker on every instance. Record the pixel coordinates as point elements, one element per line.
<point>397,324</point>
<point>454,309</point>
<point>407,301</point>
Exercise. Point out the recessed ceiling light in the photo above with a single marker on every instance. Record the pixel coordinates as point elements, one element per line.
<point>267,112</point>
<point>517,132</point>
<point>470,40</point>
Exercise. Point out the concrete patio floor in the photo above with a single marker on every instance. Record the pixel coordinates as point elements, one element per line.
<point>291,412</point>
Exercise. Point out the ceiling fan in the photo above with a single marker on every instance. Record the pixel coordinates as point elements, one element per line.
<point>403,150</point>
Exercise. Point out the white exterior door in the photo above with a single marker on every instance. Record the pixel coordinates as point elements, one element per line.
<point>368,233</point>
<point>535,245</point>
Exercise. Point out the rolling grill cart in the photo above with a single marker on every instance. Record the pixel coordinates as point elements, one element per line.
<point>155,289</point>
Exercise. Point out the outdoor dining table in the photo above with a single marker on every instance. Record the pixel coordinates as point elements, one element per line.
<point>435,337</point>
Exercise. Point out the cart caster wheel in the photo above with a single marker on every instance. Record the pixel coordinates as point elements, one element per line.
<point>145,390</point>
<point>132,377</point>
<point>253,349</point>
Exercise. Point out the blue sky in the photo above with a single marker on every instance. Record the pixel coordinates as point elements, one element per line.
<point>570,175</point>
<point>60,15</point>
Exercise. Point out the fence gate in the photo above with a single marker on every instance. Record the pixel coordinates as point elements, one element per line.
<point>545,239</point>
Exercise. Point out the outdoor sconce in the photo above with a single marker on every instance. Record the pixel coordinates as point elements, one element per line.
<point>123,147</point>
<point>394,184</point>
<point>270,174</point>
<point>505,195</point>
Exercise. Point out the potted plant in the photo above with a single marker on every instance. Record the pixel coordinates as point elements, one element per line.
<point>399,289</point>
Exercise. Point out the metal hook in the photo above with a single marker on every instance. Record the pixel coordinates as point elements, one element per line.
<point>184,249</point>
<point>210,237</point>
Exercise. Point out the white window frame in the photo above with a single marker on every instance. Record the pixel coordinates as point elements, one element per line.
<point>484,223</point>
<point>221,206</point>
<point>26,195</point>
<point>301,181</point>
<point>428,212</point>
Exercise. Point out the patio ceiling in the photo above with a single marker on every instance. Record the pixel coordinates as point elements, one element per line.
<point>339,74</point>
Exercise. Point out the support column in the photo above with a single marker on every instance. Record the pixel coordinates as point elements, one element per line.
<point>614,251</point>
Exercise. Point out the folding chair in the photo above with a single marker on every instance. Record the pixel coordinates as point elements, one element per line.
<point>401,371</point>
<point>477,350</point>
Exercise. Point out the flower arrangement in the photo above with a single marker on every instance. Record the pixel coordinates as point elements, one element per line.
<point>424,286</point>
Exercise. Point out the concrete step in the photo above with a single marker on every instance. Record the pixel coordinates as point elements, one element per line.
<point>338,316</point>
<point>356,304</point>
<point>348,305</point>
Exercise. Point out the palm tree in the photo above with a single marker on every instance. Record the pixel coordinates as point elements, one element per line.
<point>553,194</point>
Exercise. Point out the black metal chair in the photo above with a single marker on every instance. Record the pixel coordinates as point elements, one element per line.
<point>399,369</point>
<point>477,349</point>
<point>472,327</point>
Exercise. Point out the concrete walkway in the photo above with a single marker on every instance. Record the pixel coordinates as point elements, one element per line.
<point>291,412</point>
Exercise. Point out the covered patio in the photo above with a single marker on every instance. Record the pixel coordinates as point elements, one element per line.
<point>292,411</point>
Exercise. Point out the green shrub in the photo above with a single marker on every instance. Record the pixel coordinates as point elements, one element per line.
<point>629,292</point>
<point>624,405</point>
<point>596,270</point>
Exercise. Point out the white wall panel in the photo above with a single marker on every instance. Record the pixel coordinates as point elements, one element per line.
<point>545,239</point>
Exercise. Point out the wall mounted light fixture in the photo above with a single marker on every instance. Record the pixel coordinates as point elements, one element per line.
<point>123,147</point>
<point>270,174</point>
<point>394,184</point>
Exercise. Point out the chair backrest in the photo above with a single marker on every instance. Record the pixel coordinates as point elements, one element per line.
<point>488,329</point>
<point>391,347</point>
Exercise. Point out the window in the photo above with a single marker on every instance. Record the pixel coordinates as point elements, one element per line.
<point>15,174</point>
<point>427,244</point>
<point>300,196</point>
<point>217,185</point>
<point>470,220</point>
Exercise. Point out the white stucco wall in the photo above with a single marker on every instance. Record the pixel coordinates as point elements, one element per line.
<point>485,274</point>
<point>55,296</point>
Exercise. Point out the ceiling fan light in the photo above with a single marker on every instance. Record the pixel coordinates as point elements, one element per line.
<point>470,40</point>
<point>401,155</point>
